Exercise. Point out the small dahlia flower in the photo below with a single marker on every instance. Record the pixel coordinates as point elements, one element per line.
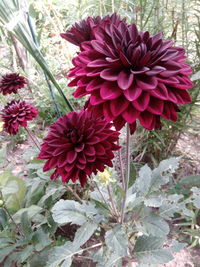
<point>11,82</point>
<point>82,31</point>
<point>78,145</point>
<point>16,114</point>
<point>130,75</point>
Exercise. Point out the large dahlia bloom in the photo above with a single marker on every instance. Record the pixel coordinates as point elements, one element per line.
<point>78,145</point>
<point>82,31</point>
<point>130,75</point>
<point>16,114</point>
<point>11,82</point>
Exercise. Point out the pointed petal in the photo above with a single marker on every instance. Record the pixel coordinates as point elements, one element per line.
<point>125,80</point>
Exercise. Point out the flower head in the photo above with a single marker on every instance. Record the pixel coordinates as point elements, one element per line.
<point>16,114</point>
<point>130,75</point>
<point>10,83</point>
<point>105,178</point>
<point>83,31</point>
<point>78,145</point>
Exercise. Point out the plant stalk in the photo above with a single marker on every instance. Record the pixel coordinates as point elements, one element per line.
<point>9,214</point>
<point>121,167</point>
<point>32,138</point>
<point>74,194</point>
<point>112,201</point>
<point>127,170</point>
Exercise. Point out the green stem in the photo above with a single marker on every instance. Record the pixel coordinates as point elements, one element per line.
<point>32,138</point>
<point>121,167</point>
<point>9,214</point>
<point>127,171</point>
<point>112,201</point>
<point>74,194</point>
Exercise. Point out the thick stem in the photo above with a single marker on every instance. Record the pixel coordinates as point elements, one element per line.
<point>112,201</point>
<point>121,167</point>
<point>74,194</point>
<point>127,171</point>
<point>32,138</point>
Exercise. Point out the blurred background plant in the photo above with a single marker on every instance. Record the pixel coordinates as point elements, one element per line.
<point>177,20</point>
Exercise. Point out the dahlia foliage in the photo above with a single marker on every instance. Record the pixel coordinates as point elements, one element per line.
<point>17,113</point>
<point>128,74</point>
<point>78,145</point>
<point>11,82</point>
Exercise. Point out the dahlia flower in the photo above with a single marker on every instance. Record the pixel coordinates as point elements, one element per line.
<point>10,83</point>
<point>130,75</point>
<point>78,145</point>
<point>82,31</point>
<point>16,114</point>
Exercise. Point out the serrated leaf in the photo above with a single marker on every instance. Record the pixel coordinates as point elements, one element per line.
<point>133,174</point>
<point>105,257</point>
<point>52,191</point>
<point>117,240</point>
<point>6,251</point>
<point>154,200</point>
<point>25,224</point>
<point>3,219</point>
<point>32,211</point>
<point>190,181</point>
<point>196,197</point>
<point>152,224</point>
<point>84,233</point>
<point>143,182</point>
<point>40,240</point>
<point>35,193</point>
<point>62,256</point>
<point>13,190</point>
<point>173,204</point>
<point>70,211</point>
<point>149,250</point>
<point>25,253</point>
<point>2,155</point>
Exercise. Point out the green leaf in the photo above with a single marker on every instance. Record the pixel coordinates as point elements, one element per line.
<point>2,155</point>
<point>52,193</point>
<point>154,200</point>
<point>150,250</point>
<point>133,174</point>
<point>3,219</point>
<point>190,181</point>
<point>40,240</point>
<point>196,76</point>
<point>70,211</point>
<point>196,197</point>
<point>32,212</point>
<point>84,233</point>
<point>25,254</point>
<point>25,224</point>
<point>152,224</point>
<point>117,240</point>
<point>62,256</point>
<point>105,257</point>
<point>35,192</point>
<point>13,190</point>
<point>173,204</point>
<point>6,251</point>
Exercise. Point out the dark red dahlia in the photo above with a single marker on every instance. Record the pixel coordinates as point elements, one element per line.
<point>78,145</point>
<point>16,114</point>
<point>130,75</point>
<point>10,83</point>
<point>83,31</point>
